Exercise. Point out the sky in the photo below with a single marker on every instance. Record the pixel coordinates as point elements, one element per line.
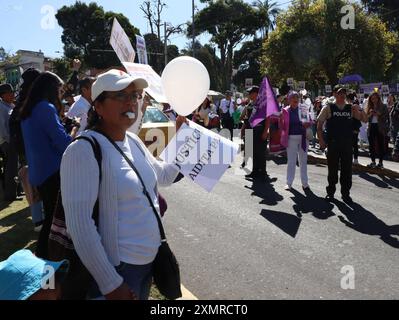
<point>31,25</point>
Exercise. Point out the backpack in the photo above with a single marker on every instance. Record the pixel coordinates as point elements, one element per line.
<point>78,279</point>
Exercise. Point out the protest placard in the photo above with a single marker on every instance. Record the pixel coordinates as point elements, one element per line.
<point>201,155</point>
<point>121,44</point>
<point>301,85</point>
<point>249,83</point>
<point>155,89</point>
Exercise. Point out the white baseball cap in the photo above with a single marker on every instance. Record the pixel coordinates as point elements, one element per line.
<point>115,80</point>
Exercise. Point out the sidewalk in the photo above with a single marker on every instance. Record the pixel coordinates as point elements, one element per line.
<point>391,168</point>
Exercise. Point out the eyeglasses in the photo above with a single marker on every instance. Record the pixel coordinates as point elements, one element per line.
<point>125,97</point>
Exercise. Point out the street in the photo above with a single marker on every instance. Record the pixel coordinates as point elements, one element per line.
<point>254,240</point>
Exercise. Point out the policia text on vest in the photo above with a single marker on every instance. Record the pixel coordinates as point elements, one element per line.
<point>339,125</point>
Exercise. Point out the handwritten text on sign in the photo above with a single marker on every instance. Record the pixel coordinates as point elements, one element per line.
<point>201,155</point>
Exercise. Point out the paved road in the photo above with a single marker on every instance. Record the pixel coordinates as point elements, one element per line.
<point>254,240</point>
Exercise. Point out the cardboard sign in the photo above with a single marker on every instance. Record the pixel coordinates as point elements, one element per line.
<point>304,114</point>
<point>155,89</point>
<point>201,155</point>
<point>328,88</point>
<point>141,50</point>
<point>121,44</point>
<point>290,82</point>
<point>385,89</point>
<point>301,85</point>
<point>249,83</point>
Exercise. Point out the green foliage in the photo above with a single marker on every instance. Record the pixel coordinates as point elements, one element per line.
<point>247,61</point>
<point>228,22</point>
<point>387,10</point>
<point>87,28</point>
<point>62,67</point>
<point>207,55</point>
<point>309,44</point>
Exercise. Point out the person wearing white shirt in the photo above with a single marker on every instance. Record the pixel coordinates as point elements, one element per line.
<point>120,253</point>
<point>82,106</point>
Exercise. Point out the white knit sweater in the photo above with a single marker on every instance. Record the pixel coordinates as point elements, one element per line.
<point>98,251</point>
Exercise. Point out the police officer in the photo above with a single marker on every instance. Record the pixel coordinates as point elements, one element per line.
<point>259,140</point>
<point>338,117</point>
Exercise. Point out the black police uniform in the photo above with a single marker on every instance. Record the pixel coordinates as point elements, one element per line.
<point>340,151</point>
<point>227,119</point>
<point>259,149</point>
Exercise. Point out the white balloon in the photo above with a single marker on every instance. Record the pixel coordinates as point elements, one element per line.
<point>186,84</point>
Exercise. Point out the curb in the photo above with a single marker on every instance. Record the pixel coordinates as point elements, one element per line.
<point>187,295</point>
<point>358,168</point>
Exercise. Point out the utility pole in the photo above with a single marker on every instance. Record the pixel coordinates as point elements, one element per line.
<point>166,47</point>
<point>193,29</point>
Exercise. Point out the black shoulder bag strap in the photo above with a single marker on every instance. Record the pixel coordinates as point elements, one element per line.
<point>145,191</point>
<point>98,155</point>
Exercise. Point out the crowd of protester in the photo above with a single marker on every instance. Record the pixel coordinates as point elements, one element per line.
<point>70,144</point>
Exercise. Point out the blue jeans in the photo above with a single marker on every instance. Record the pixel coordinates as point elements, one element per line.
<point>138,278</point>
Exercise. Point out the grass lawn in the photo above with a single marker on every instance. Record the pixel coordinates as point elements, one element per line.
<point>16,232</point>
<point>16,228</point>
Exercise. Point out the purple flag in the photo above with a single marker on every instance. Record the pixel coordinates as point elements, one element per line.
<point>265,105</point>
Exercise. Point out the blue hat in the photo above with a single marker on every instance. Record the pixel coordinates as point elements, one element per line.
<point>22,274</point>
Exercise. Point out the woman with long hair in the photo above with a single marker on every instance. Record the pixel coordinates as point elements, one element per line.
<point>377,114</point>
<point>45,141</point>
<point>16,138</point>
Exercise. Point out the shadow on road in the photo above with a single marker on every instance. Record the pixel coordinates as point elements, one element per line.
<point>383,182</point>
<point>265,190</point>
<point>4,204</point>
<point>364,221</point>
<point>282,220</point>
<point>310,203</point>
<point>18,233</point>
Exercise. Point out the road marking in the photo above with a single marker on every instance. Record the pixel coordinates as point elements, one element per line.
<point>187,295</point>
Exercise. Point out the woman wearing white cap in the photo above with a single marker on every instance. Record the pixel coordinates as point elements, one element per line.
<point>119,255</point>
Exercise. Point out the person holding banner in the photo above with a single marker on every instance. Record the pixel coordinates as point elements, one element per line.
<point>295,120</point>
<point>120,253</point>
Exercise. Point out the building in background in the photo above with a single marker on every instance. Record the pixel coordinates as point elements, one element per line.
<point>26,59</point>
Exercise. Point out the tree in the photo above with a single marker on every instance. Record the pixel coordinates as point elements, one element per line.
<point>153,10</point>
<point>387,10</point>
<point>207,55</point>
<point>268,12</point>
<point>247,61</point>
<point>62,67</point>
<point>309,44</point>
<point>229,22</point>
<point>87,30</point>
